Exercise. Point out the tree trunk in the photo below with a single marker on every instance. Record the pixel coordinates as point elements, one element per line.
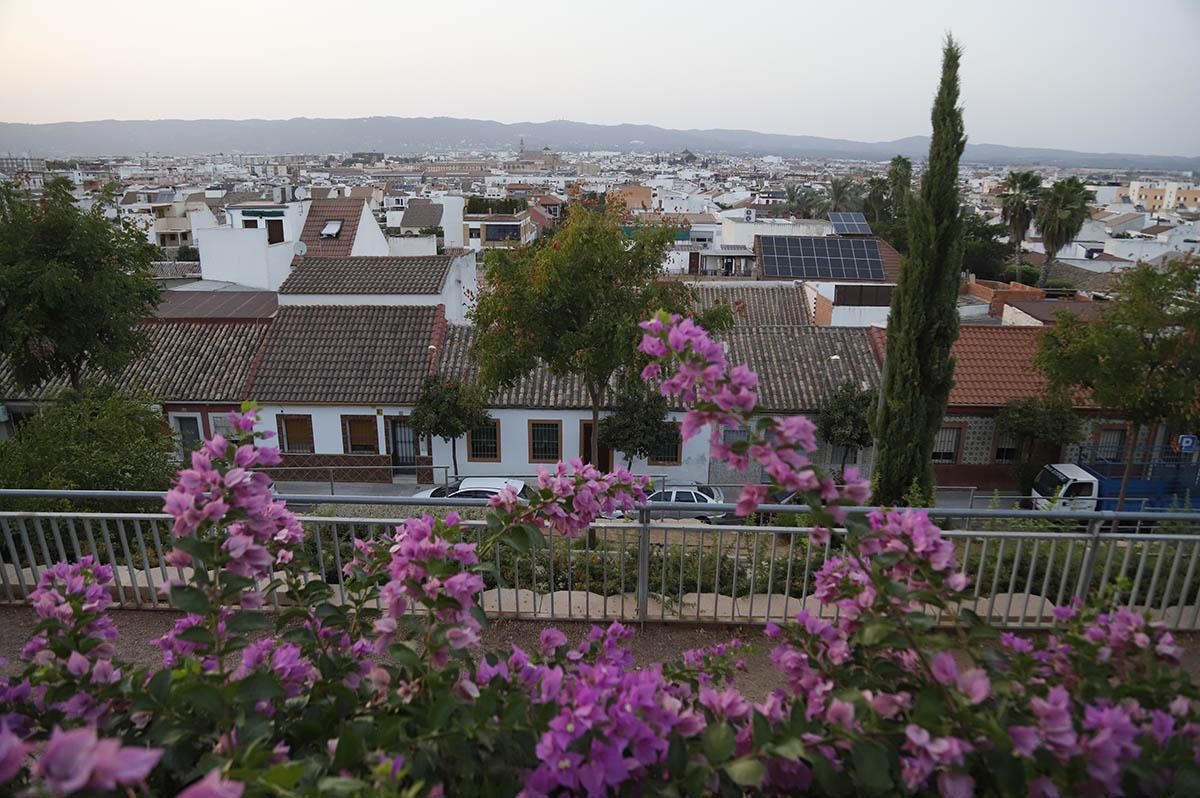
<point>74,376</point>
<point>1044,276</point>
<point>454,455</point>
<point>594,449</point>
<point>1017,258</point>
<point>1130,448</point>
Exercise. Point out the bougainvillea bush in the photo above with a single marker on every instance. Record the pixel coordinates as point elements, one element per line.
<point>272,684</point>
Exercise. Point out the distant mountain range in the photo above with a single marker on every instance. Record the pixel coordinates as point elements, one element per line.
<point>399,135</point>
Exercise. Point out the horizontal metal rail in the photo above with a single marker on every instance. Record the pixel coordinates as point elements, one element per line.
<point>1021,563</point>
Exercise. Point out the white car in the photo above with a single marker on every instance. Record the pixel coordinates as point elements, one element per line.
<point>696,497</point>
<point>474,488</point>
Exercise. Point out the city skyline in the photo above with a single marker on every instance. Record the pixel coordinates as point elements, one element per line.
<point>796,70</point>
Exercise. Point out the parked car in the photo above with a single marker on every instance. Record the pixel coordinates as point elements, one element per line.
<point>474,488</point>
<point>439,491</point>
<point>697,500</point>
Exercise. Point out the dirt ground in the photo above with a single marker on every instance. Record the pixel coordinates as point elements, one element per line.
<point>655,642</point>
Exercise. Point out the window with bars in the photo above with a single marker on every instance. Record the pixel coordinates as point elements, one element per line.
<point>670,454</point>
<point>545,441</point>
<point>219,424</point>
<point>1110,443</point>
<point>296,434</point>
<point>945,445</point>
<point>483,442</point>
<point>360,435</point>
<point>1006,448</point>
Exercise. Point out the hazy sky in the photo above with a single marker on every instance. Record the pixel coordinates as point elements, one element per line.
<point>1097,75</point>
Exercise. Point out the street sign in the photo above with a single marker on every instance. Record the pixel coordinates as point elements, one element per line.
<point>1187,444</point>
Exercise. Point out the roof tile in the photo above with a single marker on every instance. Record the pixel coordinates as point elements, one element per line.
<point>368,275</point>
<point>339,354</point>
<point>320,211</point>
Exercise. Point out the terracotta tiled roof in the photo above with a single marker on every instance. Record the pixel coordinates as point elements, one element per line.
<point>422,213</point>
<point>756,304</point>
<point>1084,279</point>
<point>174,269</point>
<point>339,354</point>
<point>187,361</point>
<point>993,365</point>
<point>1046,310</point>
<point>368,275</point>
<point>795,365</point>
<point>891,261</point>
<point>320,211</point>
<point>213,305</point>
<point>538,389</point>
<point>1155,229</point>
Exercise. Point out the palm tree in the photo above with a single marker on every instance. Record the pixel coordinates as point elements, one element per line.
<point>801,201</point>
<point>875,201</point>
<point>844,195</point>
<point>1018,204</point>
<point>1060,215</point>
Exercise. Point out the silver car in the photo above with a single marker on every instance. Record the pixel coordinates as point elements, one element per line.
<point>697,500</point>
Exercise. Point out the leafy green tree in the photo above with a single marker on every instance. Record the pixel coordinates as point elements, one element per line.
<point>73,287</point>
<point>1018,204</point>
<point>188,253</point>
<point>1140,357</point>
<point>1060,215</point>
<point>923,322</point>
<point>899,181</point>
<point>1040,426</point>
<point>983,251</point>
<point>575,304</point>
<point>845,419</point>
<point>95,438</point>
<point>637,425</point>
<point>448,409</point>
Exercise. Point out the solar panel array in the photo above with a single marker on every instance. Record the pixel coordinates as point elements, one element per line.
<point>817,258</point>
<point>850,224</point>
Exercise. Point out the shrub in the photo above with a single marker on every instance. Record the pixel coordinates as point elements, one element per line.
<point>384,690</point>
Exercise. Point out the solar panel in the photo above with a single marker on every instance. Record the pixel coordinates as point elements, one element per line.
<point>816,258</point>
<point>850,224</point>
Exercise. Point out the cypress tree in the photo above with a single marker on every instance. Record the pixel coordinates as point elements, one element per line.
<point>918,371</point>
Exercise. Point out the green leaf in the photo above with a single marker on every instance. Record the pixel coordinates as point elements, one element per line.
<point>285,774</point>
<point>258,686</point>
<point>351,749</point>
<point>195,547</point>
<point>871,766</point>
<point>536,539</point>
<point>790,749</point>
<point>875,632</point>
<point>340,785</point>
<point>928,708</point>
<point>719,742</point>
<point>196,634</point>
<point>516,539</point>
<point>746,772</point>
<point>405,656</point>
<point>248,621</point>
<point>204,697</point>
<point>159,686</point>
<point>189,599</point>
<point>761,729</point>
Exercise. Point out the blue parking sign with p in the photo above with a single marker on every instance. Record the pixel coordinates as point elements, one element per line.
<point>1187,444</point>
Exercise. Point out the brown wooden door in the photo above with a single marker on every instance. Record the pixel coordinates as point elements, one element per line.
<point>693,263</point>
<point>585,448</point>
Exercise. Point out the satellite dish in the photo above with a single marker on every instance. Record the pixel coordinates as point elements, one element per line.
<point>300,248</point>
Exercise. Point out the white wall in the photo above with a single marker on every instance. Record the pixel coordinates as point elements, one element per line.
<point>327,422</point>
<point>741,232</point>
<point>369,239</point>
<point>852,316</point>
<point>1015,317</point>
<point>452,220</point>
<point>411,246</point>
<point>514,448</point>
<point>234,255</point>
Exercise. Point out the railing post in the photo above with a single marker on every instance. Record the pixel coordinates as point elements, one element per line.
<point>331,491</point>
<point>1089,558</point>
<point>643,570</point>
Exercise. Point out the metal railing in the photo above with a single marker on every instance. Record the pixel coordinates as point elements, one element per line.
<point>1021,563</point>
